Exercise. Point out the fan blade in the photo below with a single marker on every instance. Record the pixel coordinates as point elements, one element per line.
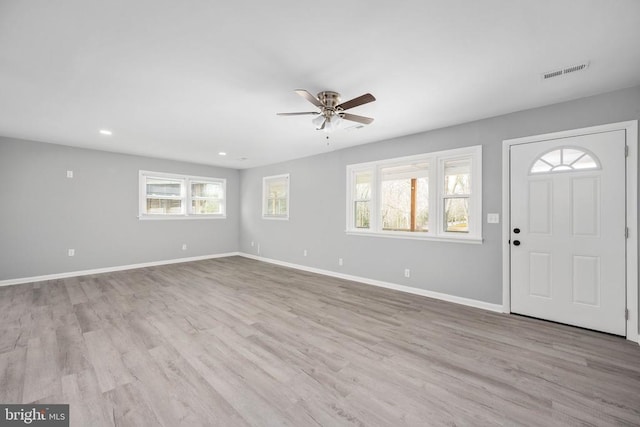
<point>363,99</point>
<point>312,99</point>
<point>355,118</point>
<point>299,114</point>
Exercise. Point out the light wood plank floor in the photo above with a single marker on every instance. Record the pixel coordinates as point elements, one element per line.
<point>237,342</point>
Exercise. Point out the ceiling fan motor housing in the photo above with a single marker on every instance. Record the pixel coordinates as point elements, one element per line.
<point>329,99</point>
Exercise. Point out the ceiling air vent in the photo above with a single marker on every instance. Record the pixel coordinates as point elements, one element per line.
<point>566,70</point>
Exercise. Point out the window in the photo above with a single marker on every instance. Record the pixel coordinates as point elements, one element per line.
<point>362,199</point>
<point>429,196</point>
<point>207,197</point>
<point>456,194</point>
<point>405,197</point>
<point>164,196</point>
<point>563,160</point>
<point>275,197</point>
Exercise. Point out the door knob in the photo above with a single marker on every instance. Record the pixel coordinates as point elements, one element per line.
<point>516,230</point>
<point>516,243</point>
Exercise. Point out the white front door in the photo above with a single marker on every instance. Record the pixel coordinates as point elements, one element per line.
<point>567,230</point>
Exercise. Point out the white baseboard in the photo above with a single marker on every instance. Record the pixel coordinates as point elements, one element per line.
<point>408,289</point>
<point>111,269</point>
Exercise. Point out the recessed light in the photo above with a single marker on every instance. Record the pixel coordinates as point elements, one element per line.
<point>222,153</point>
<point>106,132</point>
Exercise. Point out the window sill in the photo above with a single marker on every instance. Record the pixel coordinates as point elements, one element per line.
<point>279,218</point>
<point>174,217</point>
<point>414,236</point>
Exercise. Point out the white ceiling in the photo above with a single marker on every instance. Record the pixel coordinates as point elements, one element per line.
<point>187,79</point>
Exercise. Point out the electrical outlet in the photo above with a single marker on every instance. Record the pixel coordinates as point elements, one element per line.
<point>304,253</point>
<point>253,243</point>
<point>69,174</point>
<point>184,246</point>
<point>340,261</point>
<point>407,272</point>
<point>71,252</point>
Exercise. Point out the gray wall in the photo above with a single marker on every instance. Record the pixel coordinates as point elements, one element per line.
<point>318,197</point>
<point>43,213</point>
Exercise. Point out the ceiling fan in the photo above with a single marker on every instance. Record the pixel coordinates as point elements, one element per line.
<point>332,111</point>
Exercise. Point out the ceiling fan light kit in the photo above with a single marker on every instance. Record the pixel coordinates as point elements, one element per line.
<point>332,112</point>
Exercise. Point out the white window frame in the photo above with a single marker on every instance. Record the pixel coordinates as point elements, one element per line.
<point>265,194</point>
<point>185,196</point>
<point>354,197</point>
<point>436,161</point>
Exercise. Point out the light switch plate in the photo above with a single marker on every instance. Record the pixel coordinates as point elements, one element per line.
<point>493,218</point>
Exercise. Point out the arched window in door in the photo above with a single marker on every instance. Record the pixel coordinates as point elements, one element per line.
<point>564,160</point>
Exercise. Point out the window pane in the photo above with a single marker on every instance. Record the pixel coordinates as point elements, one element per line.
<point>457,176</point>
<point>456,214</point>
<point>398,211</point>
<point>362,214</point>
<point>163,187</point>
<point>362,199</point>
<point>585,162</point>
<point>363,186</point>
<point>206,207</point>
<point>570,155</point>
<point>554,158</point>
<point>277,206</point>
<point>396,204</point>
<point>207,189</point>
<point>540,166</point>
<point>277,189</point>
<point>164,206</point>
<point>276,198</point>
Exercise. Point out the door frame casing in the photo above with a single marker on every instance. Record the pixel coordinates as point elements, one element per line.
<point>631,134</point>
